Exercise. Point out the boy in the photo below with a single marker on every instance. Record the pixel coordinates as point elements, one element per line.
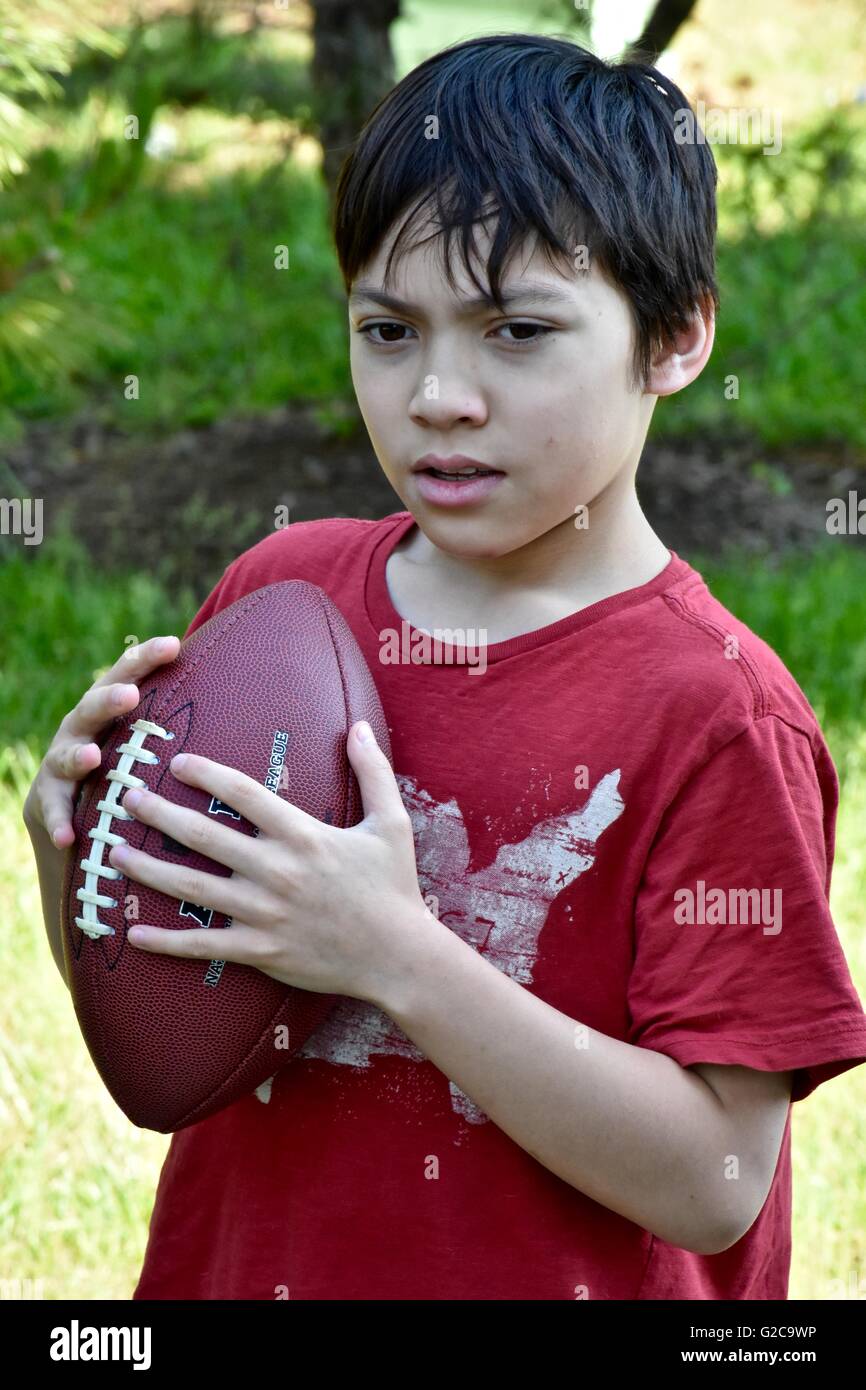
<point>574,1077</point>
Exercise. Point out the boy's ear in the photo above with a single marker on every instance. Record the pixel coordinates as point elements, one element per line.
<point>677,365</point>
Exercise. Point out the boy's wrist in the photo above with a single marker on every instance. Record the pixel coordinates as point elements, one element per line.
<point>422,940</point>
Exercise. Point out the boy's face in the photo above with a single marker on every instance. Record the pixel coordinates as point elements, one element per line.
<point>541,394</point>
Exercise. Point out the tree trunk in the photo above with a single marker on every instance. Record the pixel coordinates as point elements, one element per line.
<point>664,20</point>
<point>352,69</point>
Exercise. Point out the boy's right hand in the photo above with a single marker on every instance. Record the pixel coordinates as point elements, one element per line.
<point>72,754</point>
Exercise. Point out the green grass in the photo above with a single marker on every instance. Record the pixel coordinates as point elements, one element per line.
<point>829,1128</point>
<point>77,1180</point>
<point>174,282</point>
<point>217,326</point>
<point>812,611</point>
<point>182,292</point>
<point>61,628</point>
<point>792,282</point>
<point>180,285</point>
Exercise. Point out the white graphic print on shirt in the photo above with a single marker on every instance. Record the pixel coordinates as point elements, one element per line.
<point>499,910</point>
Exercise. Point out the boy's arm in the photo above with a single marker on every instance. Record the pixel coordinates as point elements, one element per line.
<point>50,863</point>
<point>627,1126</point>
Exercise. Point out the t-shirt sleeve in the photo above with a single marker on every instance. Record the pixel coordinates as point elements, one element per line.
<point>736,959</point>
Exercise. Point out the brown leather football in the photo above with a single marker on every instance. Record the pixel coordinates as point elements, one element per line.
<point>271,686</point>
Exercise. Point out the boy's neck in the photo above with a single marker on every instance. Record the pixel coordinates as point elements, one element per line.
<point>559,573</point>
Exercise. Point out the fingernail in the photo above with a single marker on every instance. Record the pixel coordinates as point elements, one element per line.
<point>365,733</point>
<point>178,762</point>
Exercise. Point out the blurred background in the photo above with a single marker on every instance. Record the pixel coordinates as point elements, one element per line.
<point>167,380</point>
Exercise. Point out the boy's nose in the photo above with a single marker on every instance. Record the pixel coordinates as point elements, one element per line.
<point>440,400</point>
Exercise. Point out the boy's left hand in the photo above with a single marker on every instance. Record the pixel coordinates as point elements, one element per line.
<point>315,906</point>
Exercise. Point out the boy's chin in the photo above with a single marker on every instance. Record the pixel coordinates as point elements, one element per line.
<point>481,536</point>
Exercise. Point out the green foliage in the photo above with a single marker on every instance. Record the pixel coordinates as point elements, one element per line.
<point>46,330</point>
<point>62,625</point>
<point>39,40</point>
<point>114,260</point>
<point>89,258</point>
<point>812,611</point>
<point>188,62</point>
<point>792,276</point>
<point>185,283</point>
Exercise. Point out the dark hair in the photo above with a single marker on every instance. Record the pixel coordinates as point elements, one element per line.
<point>550,139</point>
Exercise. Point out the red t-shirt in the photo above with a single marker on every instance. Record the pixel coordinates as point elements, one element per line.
<point>643,746</point>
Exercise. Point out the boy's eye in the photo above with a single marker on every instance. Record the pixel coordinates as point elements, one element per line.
<point>386,327</point>
<point>536,328</point>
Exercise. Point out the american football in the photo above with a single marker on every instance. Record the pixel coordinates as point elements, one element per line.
<point>270,686</point>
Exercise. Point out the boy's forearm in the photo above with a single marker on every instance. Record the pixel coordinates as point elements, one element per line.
<point>49,865</point>
<point>628,1127</point>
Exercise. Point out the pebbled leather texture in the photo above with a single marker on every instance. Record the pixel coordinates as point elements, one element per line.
<point>175,1040</point>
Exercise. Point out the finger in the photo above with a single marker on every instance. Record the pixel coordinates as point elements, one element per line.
<point>71,762</point>
<point>97,707</point>
<point>63,767</point>
<point>259,806</point>
<point>238,944</point>
<point>196,830</point>
<point>113,693</point>
<point>66,764</point>
<point>223,895</point>
<point>379,791</point>
<point>56,819</point>
<point>136,662</point>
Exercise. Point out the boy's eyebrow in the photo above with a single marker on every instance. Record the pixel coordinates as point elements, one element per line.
<point>524,289</point>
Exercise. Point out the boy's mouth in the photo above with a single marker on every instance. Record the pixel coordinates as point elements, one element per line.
<point>454,482</point>
<point>454,469</point>
<point>458,477</point>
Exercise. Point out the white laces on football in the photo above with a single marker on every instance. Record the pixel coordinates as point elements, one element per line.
<point>119,777</point>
